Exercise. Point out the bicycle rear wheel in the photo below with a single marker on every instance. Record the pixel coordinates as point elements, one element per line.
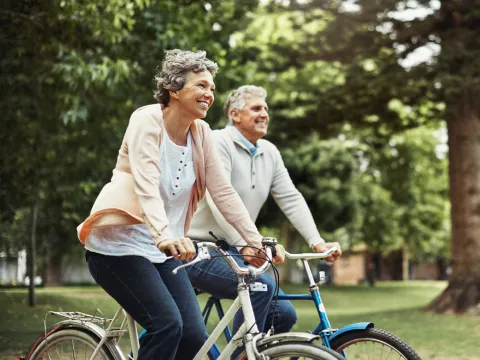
<point>297,350</point>
<point>71,344</point>
<point>373,344</point>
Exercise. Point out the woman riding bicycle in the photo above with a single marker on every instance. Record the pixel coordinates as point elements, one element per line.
<point>165,164</point>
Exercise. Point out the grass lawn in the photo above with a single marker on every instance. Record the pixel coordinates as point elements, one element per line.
<point>395,307</point>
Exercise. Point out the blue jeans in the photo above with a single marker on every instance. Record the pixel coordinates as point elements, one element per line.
<point>158,300</point>
<point>216,277</point>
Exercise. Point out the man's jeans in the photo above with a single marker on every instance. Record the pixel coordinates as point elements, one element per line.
<point>162,303</point>
<point>216,277</point>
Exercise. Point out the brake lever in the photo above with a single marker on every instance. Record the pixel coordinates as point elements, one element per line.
<point>202,254</point>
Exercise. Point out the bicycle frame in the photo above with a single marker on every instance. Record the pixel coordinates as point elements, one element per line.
<point>242,336</point>
<point>242,301</point>
<point>323,329</point>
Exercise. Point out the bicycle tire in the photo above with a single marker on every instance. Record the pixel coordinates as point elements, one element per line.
<point>296,349</point>
<point>374,343</point>
<point>67,338</point>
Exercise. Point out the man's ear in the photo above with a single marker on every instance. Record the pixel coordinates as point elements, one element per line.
<point>173,94</point>
<point>235,115</point>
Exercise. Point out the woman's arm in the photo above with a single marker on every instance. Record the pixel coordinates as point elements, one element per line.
<point>143,137</point>
<point>224,195</point>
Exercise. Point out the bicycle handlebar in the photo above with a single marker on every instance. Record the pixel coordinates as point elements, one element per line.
<point>310,256</point>
<point>203,254</point>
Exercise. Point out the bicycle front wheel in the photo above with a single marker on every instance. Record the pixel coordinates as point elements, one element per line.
<point>373,344</point>
<point>298,350</point>
<point>71,344</point>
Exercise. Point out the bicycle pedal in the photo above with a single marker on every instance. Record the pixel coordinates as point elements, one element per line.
<point>257,286</point>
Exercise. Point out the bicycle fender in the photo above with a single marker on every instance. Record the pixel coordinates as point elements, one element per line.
<point>292,336</point>
<point>74,324</point>
<point>350,328</point>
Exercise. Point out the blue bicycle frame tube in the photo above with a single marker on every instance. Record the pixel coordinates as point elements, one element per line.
<point>324,323</point>
<point>211,302</point>
<point>221,314</point>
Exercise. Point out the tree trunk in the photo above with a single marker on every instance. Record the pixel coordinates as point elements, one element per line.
<point>463,292</point>
<point>32,301</point>
<point>405,262</point>
<point>53,271</point>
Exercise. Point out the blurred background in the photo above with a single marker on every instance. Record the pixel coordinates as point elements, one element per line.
<point>374,105</point>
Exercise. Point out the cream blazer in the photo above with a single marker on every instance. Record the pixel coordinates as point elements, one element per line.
<point>133,195</point>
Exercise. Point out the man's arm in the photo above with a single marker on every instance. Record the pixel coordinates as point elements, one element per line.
<point>292,202</point>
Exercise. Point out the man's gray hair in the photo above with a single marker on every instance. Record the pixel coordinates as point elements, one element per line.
<point>175,67</point>
<point>237,99</point>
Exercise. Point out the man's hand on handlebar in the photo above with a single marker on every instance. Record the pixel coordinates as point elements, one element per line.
<point>180,249</point>
<point>325,246</point>
<point>257,257</point>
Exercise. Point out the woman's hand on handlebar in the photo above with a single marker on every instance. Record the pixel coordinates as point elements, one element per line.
<point>279,258</point>
<point>257,257</point>
<point>325,246</point>
<point>253,256</point>
<point>180,249</point>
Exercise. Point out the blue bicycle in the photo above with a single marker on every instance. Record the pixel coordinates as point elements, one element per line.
<point>355,341</point>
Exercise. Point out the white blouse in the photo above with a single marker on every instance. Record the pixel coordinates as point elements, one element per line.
<point>176,180</point>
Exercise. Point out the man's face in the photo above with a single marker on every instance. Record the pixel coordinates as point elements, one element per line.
<point>252,121</point>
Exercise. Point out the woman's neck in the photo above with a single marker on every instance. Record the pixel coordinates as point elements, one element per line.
<point>177,125</point>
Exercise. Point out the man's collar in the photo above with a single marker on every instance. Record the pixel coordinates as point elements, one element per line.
<point>240,139</point>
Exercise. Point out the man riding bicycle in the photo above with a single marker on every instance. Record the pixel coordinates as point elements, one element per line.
<point>255,169</point>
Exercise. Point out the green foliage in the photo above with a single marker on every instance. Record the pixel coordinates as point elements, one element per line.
<point>327,72</point>
<point>75,72</point>
<point>340,103</point>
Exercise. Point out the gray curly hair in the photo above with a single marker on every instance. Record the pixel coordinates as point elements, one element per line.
<point>237,99</point>
<point>175,67</point>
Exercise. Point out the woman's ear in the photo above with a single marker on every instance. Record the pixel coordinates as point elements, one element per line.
<point>173,94</point>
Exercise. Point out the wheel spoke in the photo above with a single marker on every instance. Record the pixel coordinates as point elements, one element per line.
<point>73,350</point>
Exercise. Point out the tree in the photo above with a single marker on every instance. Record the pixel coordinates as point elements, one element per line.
<point>371,41</point>
<point>75,72</point>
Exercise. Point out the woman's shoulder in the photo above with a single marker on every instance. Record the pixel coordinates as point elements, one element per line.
<point>201,124</point>
<point>202,128</point>
<point>148,113</point>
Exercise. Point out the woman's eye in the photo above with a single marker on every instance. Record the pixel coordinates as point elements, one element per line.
<point>202,86</point>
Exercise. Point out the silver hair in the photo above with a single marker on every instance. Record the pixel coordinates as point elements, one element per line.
<point>175,67</point>
<point>237,99</point>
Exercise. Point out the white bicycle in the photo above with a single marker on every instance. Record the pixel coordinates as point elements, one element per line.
<point>84,336</point>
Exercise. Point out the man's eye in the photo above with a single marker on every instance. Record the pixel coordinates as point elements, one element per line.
<point>202,85</point>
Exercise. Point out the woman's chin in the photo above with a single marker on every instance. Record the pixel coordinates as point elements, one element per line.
<point>202,114</point>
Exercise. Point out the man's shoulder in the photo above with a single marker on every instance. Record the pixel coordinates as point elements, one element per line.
<point>267,146</point>
<point>222,137</point>
<point>221,132</point>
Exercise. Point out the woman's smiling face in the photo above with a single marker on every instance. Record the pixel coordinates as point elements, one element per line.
<point>197,95</point>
